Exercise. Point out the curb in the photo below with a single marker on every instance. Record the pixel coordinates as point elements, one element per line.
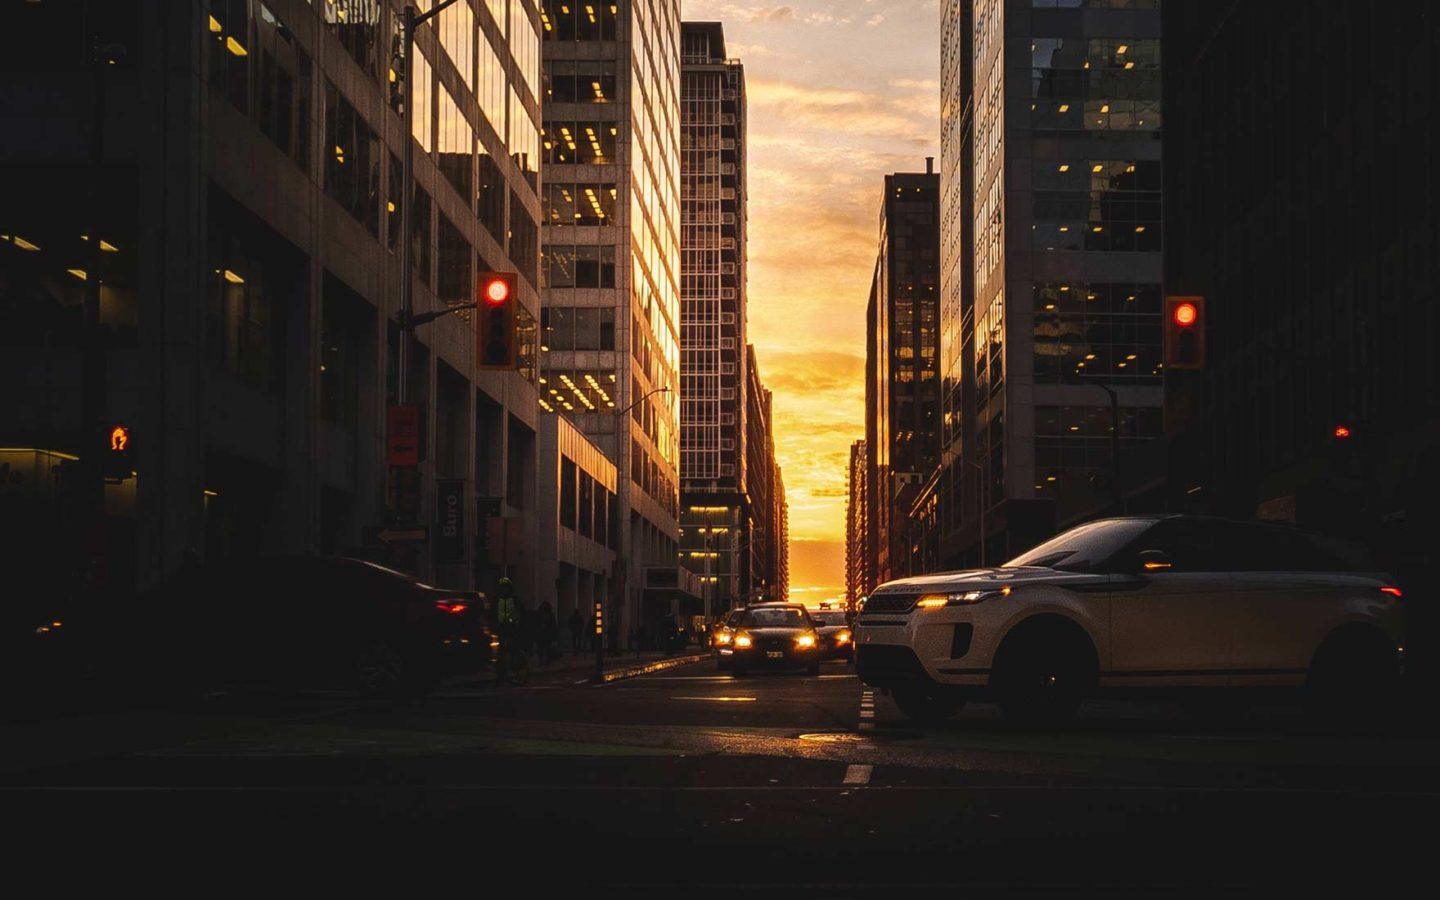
<point>658,665</point>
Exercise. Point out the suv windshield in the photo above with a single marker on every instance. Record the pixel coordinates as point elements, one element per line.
<point>1084,547</point>
<point>774,618</point>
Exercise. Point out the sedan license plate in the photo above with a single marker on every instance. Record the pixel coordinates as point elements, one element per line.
<point>774,654</point>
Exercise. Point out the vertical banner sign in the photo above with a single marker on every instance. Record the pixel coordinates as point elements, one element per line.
<point>402,436</point>
<point>450,524</point>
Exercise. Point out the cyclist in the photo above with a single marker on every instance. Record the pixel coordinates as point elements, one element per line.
<point>509,626</point>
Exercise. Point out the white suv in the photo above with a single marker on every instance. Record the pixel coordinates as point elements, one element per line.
<point>1193,607</point>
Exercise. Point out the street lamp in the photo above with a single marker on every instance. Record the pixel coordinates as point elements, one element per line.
<point>599,676</point>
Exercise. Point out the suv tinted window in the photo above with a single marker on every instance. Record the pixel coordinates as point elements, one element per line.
<point>1193,545</point>
<point>1276,548</point>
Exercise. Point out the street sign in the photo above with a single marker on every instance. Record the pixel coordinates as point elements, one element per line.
<point>402,433</point>
<point>450,524</point>
<point>407,534</point>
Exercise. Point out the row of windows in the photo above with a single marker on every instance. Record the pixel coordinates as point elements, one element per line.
<point>1125,54</point>
<point>579,143</point>
<point>569,203</point>
<point>580,81</point>
<point>567,328</point>
<point>258,66</point>
<point>1095,421</point>
<point>587,506</point>
<point>569,20</point>
<point>1095,4</point>
<point>582,391</point>
<point>579,265</point>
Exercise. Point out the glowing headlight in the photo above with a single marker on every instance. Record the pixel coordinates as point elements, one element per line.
<point>805,641</point>
<point>842,636</point>
<point>960,598</point>
<point>743,640</point>
<point>722,637</point>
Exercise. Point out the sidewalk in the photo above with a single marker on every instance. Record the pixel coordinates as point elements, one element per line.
<point>571,668</point>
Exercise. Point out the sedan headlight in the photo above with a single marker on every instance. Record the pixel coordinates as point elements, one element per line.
<point>722,637</point>
<point>743,640</point>
<point>805,641</point>
<point>842,636</point>
<point>960,598</point>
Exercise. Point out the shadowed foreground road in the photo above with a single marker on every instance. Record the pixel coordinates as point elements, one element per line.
<point>689,778</point>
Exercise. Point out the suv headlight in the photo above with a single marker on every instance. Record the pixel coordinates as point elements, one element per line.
<point>960,598</point>
<point>805,641</point>
<point>743,640</point>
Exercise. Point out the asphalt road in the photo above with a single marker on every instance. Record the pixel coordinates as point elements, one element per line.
<point>691,779</point>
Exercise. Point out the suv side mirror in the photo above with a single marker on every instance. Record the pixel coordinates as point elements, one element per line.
<point>1155,561</point>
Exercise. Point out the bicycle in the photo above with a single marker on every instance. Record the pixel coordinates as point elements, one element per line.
<point>512,664</point>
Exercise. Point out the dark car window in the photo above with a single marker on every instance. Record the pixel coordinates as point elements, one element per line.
<point>1085,547</point>
<point>1277,548</point>
<point>778,617</point>
<point>1192,545</point>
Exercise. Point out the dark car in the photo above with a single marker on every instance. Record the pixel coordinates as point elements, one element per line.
<point>836,639</point>
<point>774,636</point>
<point>300,622</point>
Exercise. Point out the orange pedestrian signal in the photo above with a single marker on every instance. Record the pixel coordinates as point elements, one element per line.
<point>1342,432</point>
<point>1184,327</point>
<point>117,462</point>
<point>497,345</point>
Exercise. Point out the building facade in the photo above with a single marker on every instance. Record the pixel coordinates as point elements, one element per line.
<point>578,527</point>
<point>611,270</point>
<point>1065,241</point>
<point>718,487</point>
<point>857,576</point>
<point>902,391</point>
<point>245,158</point>
<point>1309,225</point>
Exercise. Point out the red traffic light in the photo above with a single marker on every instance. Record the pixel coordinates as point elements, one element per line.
<point>1185,314</point>
<point>496,290</point>
<point>1342,432</point>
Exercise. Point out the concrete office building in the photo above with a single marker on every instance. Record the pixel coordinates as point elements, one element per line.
<point>1064,288</point>
<point>857,578</point>
<point>611,269</point>
<point>246,212</point>
<point>902,390</point>
<point>718,487</point>
<point>578,529</point>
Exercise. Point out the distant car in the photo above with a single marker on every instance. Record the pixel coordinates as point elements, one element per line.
<point>773,636</point>
<point>836,637</point>
<point>1183,605</point>
<point>723,634</point>
<point>301,622</point>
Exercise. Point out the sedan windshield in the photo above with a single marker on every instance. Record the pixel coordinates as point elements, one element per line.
<point>1084,547</point>
<point>774,618</point>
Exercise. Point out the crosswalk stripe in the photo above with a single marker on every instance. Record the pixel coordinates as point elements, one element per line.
<point>858,774</point>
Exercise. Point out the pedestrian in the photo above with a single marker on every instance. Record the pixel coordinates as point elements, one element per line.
<point>509,625</point>
<point>546,632</point>
<point>576,635</point>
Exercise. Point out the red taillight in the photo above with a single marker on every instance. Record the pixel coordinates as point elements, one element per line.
<point>1392,591</point>
<point>451,606</point>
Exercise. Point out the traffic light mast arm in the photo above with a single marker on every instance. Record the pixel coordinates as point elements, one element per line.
<point>414,320</point>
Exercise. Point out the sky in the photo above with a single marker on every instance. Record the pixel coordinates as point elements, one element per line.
<point>841,93</point>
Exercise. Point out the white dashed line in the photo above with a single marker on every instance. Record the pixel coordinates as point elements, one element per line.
<point>867,713</point>
<point>857,774</point>
<point>866,726</point>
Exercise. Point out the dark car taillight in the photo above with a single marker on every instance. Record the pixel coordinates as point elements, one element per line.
<point>451,606</point>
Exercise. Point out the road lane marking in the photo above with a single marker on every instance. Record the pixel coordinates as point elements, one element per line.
<point>719,699</point>
<point>866,726</point>
<point>867,713</point>
<point>857,774</point>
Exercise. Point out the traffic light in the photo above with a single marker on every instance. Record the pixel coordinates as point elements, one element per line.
<point>117,457</point>
<point>496,344</point>
<point>1184,332</point>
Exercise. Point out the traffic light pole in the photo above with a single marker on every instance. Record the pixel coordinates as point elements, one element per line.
<point>410,19</point>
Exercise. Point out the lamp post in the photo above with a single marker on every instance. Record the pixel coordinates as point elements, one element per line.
<point>599,675</point>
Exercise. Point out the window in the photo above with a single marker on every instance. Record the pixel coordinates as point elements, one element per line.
<point>455,146</point>
<point>282,89</point>
<point>568,328</point>
<point>352,160</point>
<point>341,349</point>
<point>454,282</point>
<point>230,45</point>
<point>357,24</point>
<point>568,491</point>
<point>244,315</point>
<point>1109,330</point>
<point>420,234</point>
<point>490,197</point>
<point>567,20</point>
<point>524,239</point>
<point>1089,204</point>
